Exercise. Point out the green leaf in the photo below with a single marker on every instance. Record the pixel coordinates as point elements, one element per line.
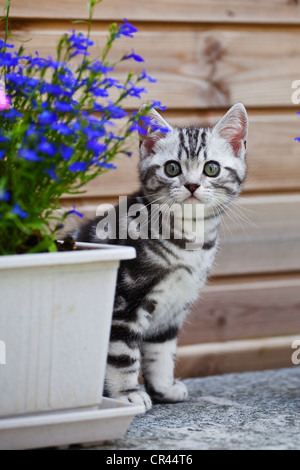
<point>43,245</point>
<point>7,5</point>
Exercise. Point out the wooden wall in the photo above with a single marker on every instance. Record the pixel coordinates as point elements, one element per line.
<point>206,56</point>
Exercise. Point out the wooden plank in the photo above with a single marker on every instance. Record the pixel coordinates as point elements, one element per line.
<point>244,309</point>
<point>271,136</point>
<point>268,242</point>
<point>261,234</point>
<point>235,356</point>
<point>193,11</point>
<point>198,68</point>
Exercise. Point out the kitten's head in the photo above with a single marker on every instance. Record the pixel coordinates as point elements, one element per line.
<point>195,165</point>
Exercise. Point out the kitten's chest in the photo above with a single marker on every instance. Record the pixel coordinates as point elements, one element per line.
<point>174,294</point>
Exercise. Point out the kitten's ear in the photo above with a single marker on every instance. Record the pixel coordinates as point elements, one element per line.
<point>233,127</point>
<point>152,128</point>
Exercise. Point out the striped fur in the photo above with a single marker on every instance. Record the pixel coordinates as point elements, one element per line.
<point>155,291</point>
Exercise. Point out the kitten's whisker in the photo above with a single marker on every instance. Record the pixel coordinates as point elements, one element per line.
<point>224,208</point>
<point>235,218</point>
<point>145,207</point>
<point>245,218</point>
<point>241,206</point>
<point>227,227</point>
<point>240,216</point>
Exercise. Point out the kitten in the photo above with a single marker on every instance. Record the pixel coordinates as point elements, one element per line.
<point>196,166</point>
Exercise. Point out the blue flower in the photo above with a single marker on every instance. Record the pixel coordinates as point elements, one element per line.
<point>140,129</point>
<point>52,174</point>
<point>55,90</point>
<point>4,44</point>
<point>4,195</point>
<point>95,146</point>
<point>15,78</point>
<point>54,63</point>
<point>108,166</point>
<point>115,111</point>
<point>99,92</point>
<point>63,107</point>
<point>76,125</point>
<point>30,84</point>
<point>7,59</point>
<point>32,131</point>
<point>297,138</point>
<point>78,166</point>
<point>110,82</point>
<point>103,163</point>
<point>98,108</point>
<point>112,136</point>
<point>74,211</point>
<point>46,147</point>
<point>99,67</point>
<point>134,56</point>
<point>46,117</point>
<point>12,114</point>
<point>144,76</point>
<point>37,61</point>
<point>135,91</point>
<point>62,128</point>
<point>17,210</point>
<point>93,133</point>
<point>2,154</point>
<point>156,127</point>
<point>29,155</point>
<point>67,80</point>
<point>80,43</point>
<point>42,63</point>
<point>3,138</point>
<point>146,120</point>
<point>66,152</point>
<point>158,105</point>
<point>126,29</point>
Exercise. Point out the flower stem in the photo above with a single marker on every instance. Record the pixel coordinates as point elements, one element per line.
<point>6,9</point>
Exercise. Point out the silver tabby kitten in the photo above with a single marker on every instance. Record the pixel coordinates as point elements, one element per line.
<point>154,292</point>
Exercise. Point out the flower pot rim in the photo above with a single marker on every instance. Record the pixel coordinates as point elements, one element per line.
<point>94,253</point>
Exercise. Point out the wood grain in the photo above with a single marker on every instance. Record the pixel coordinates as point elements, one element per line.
<point>261,235</point>
<point>192,11</point>
<point>196,67</point>
<point>235,356</point>
<point>244,309</point>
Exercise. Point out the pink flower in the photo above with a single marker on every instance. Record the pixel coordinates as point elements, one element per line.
<point>4,100</point>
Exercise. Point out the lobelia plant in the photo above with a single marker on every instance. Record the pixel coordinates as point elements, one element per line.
<point>57,130</point>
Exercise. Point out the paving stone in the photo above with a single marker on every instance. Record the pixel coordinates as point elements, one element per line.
<point>251,410</point>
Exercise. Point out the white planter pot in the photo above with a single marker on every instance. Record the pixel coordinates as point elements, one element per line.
<point>55,316</point>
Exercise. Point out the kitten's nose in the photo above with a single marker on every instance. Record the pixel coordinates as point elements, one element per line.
<point>192,187</point>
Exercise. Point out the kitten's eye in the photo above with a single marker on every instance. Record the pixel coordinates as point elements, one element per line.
<point>211,169</point>
<point>172,169</point>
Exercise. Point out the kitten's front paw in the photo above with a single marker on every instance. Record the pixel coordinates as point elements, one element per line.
<point>138,397</point>
<point>171,393</point>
